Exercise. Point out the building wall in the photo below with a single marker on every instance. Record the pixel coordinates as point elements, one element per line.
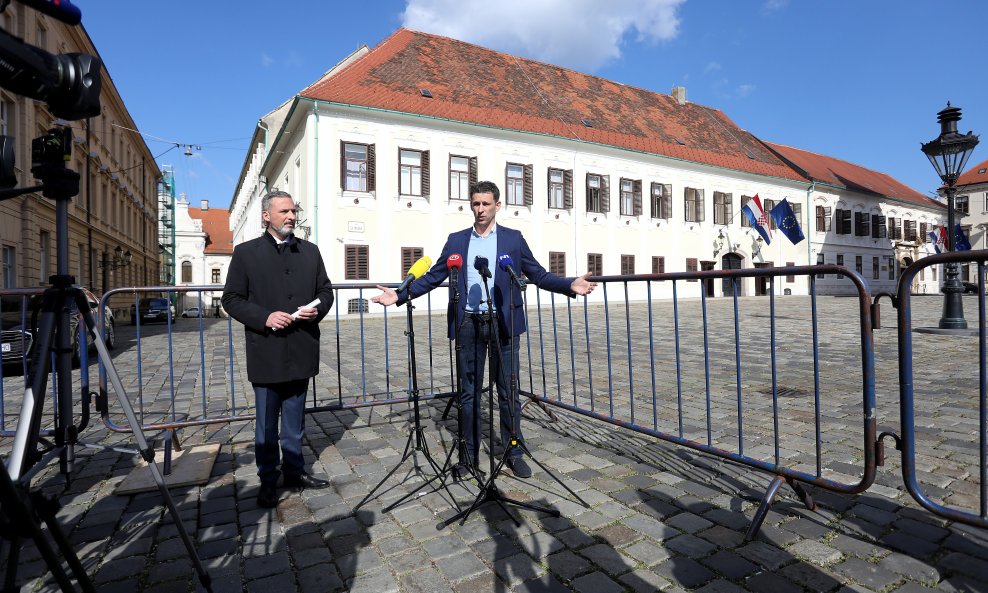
<point>116,204</point>
<point>190,248</point>
<point>385,220</point>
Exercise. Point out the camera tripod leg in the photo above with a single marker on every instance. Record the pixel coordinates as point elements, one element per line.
<point>21,513</point>
<point>146,451</point>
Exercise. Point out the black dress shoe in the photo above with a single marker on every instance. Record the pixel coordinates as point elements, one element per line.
<point>305,481</point>
<point>519,468</point>
<point>267,496</point>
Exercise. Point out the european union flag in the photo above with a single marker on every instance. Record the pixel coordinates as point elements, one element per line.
<point>784,217</point>
<point>961,242</point>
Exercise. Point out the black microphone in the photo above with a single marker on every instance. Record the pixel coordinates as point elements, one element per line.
<point>453,264</point>
<point>480,264</point>
<point>504,262</point>
<point>418,268</point>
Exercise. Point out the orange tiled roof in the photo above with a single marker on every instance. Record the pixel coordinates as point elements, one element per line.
<point>834,171</point>
<point>216,225</point>
<point>479,86</point>
<point>976,174</point>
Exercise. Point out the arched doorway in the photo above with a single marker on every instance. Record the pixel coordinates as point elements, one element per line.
<point>731,261</point>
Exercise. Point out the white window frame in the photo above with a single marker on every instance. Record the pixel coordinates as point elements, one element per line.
<point>356,168</point>
<point>514,184</point>
<point>409,172</point>
<point>459,177</point>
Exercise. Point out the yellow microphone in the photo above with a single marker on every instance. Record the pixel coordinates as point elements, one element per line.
<point>418,268</point>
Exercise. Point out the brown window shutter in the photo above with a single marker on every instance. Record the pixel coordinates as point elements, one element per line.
<point>342,164</point>
<point>371,168</point>
<point>638,197</point>
<point>568,189</point>
<point>473,171</point>
<point>409,255</point>
<point>605,193</point>
<point>651,200</point>
<point>529,199</point>
<point>350,262</point>
<point>425,174</point>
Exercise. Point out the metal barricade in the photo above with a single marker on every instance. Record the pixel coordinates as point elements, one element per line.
<point>17,335</point>
<point>362,361</point>
<point>948,404</point>
<point>654,366</point>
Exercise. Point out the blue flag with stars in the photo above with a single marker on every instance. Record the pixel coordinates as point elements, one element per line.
<point>785,219</point>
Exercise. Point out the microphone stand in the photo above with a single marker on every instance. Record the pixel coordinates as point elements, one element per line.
<point>488,490</point>
<point>460,448</point>
<point>416,442</point>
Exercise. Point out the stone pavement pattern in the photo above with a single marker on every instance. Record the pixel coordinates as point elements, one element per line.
<point>660,517</point>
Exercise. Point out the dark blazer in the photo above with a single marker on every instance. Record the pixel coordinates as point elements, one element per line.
<point>260,281</point>
<point>504,291</point>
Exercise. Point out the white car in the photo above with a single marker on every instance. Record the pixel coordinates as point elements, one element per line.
<point>192,312</point>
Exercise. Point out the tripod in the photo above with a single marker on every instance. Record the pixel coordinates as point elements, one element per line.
<point>20,509</point>
<point>416,442</point>
<point>488,489</point>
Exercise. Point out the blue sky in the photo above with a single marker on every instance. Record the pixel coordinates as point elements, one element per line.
<point>857,80</point>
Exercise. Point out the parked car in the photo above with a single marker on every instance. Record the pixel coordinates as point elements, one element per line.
<point>18,335</point>
<point>192,312</point>
<point>152,309</point>
<point>970,288</point>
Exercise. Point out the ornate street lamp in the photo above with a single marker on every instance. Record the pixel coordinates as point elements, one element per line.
<point>949,154</point>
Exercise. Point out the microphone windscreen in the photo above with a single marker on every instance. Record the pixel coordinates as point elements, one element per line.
<point>480,263</point>
<point>420,267</point>
<point>504,261</point>
<point>454,261</point>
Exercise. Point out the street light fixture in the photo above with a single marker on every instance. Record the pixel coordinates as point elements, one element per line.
<point>949,153</point>
<point>120,259</point>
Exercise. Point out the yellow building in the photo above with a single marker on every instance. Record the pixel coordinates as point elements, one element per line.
<point>115,213</point>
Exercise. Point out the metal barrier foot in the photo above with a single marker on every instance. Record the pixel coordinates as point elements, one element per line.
<point>756,521</point>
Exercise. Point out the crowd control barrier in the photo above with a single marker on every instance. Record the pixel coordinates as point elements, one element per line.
<point>749,366</point>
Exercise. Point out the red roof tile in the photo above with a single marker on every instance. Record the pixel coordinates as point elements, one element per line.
<point>976,174</point>
<point>216,225</point>
<point>836,172</point>
<point>475,85</point>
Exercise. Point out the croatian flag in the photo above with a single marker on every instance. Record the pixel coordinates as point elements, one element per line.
<point>939,239</point>
<point>755,214</point>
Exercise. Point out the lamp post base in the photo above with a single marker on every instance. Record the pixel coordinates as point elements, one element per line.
<point>953,303</point>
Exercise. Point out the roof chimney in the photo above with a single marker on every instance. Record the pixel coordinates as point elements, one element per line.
<point>204,204</point>
<point>679,94</point>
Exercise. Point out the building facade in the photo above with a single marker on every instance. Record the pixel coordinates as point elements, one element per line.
<point>112,238</point>
<point>600,177</point>
<point>203,248</point>
<point>971,203</point>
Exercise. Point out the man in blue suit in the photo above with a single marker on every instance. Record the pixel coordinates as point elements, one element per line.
<point>469,322</point>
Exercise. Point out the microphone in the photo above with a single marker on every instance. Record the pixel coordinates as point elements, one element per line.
<point>415,272</point>
<point>480,264</point>
<point>453,264</point>
<point>62,10</point>
<point>504,262</point>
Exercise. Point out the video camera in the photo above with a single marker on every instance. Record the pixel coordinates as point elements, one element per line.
<point>69,83</point>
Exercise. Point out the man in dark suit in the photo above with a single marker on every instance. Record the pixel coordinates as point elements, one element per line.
<point>469,322</point>
<point>270,287</point>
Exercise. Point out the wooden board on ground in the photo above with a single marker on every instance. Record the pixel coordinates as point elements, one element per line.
<point>190,466</point>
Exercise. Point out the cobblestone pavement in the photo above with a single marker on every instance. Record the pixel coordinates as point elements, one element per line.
<point>658,516</point>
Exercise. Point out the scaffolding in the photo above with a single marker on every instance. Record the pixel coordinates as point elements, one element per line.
<point>166,225</point>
